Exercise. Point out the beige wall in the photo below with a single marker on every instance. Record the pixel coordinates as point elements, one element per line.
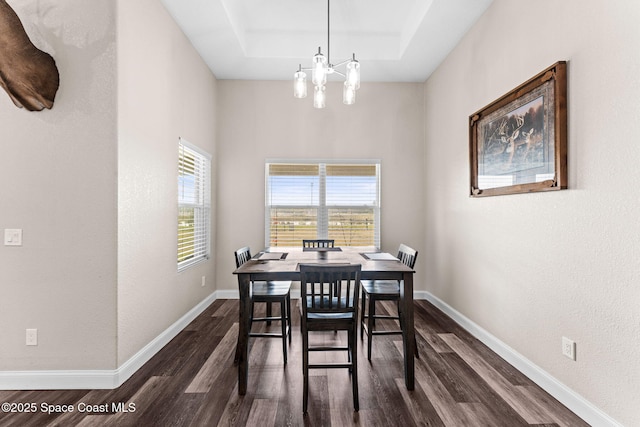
<point>165,92</point>
<point>260,120</point>
<point>533,268</point>
<point>57,183</point>
<point>93,184</point>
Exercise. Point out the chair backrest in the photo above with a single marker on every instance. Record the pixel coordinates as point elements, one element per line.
<point>329,288</point>
<point>242,255</point>
<point>318,243</point>
<point>407,255</point>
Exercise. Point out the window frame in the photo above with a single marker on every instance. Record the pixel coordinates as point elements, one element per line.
<point>202,203</point>
<point>323,226</point>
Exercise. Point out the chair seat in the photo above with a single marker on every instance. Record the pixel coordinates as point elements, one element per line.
<point>332,316</point>
<point>326,316</point>
<point>390,288</point>
<point>271,289</point>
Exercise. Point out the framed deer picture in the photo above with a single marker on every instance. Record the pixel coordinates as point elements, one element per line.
<point>518,143</point>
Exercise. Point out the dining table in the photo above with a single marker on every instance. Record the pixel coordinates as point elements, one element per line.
<point>283,263</point>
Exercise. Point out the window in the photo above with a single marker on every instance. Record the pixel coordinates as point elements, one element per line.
<point>323,200</point>
<point>194,194</point>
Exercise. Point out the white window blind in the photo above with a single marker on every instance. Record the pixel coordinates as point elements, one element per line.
<point>194,207</point>
<point>324,200</point>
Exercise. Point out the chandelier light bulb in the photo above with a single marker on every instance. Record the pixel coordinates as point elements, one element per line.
<point>319,97</point>
<point>319,69</point>
<point>353,73</point>
<point>348,94</point>
<point>300,84</point>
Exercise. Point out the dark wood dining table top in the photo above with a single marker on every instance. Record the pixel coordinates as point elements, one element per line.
<point>287,266</point>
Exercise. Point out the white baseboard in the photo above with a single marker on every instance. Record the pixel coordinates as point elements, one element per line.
<point>100,379</point>
<point>569,398</point>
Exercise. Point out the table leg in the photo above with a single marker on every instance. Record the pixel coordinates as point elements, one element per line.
<point>242,349</point>
<point>269,311</point>
<point>408,329</point>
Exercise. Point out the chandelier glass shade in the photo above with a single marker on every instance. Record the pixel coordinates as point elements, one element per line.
<point>321,68</point>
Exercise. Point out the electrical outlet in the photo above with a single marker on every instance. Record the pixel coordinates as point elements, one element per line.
<point>203,281</point>
<point>32,337</point>
<point>568,348</point>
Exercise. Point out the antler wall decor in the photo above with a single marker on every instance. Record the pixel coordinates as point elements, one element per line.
<point>27,74</point>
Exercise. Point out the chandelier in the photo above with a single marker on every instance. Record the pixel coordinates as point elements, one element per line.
<point>321,67</point>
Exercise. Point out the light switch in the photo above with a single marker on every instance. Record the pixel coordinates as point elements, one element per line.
<point>13,237</point>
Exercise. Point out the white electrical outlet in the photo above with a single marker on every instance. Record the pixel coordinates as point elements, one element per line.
<point>32,337</point>
<point>568,348</point>
<point>203,281</point>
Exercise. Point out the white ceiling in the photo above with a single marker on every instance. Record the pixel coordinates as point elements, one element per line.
<point>394,40</point>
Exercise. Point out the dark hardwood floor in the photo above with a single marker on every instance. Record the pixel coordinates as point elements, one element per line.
<point>192,382</point>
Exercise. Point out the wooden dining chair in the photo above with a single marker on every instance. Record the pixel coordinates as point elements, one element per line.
<point>269,292</point>
<point>327,307</point>
<point>318,243</point>
<point>383,290</point>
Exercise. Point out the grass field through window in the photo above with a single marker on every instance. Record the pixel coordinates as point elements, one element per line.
<point>347,226</point>
<point>186,234</point>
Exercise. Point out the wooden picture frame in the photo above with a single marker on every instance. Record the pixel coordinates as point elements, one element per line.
<point>518,143</point>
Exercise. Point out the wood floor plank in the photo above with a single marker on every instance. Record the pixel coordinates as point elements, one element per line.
<point>511,394</point>
<point>449,376</point>
<point>419,405</point>
<point>91,421</point>
<point>438,396</point>
<point>319,411</point>
<point>147,401</point>
<point>290,403</point>
<point>222,404</point>
<point>263,412</point>
<point>180,410</point>
<point>477,414</point>
<point>37,398</point>
<point>269,379</point>
<point>434,341</point>
<point>387,396</point>
<point>213,367</point>
<point>373,394</point>
<point>559,413</point>
<point>374,417</point>
<point>344,418</point>
<point>502,413</point>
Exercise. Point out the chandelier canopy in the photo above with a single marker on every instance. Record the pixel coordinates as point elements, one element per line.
<point>320,69</point>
